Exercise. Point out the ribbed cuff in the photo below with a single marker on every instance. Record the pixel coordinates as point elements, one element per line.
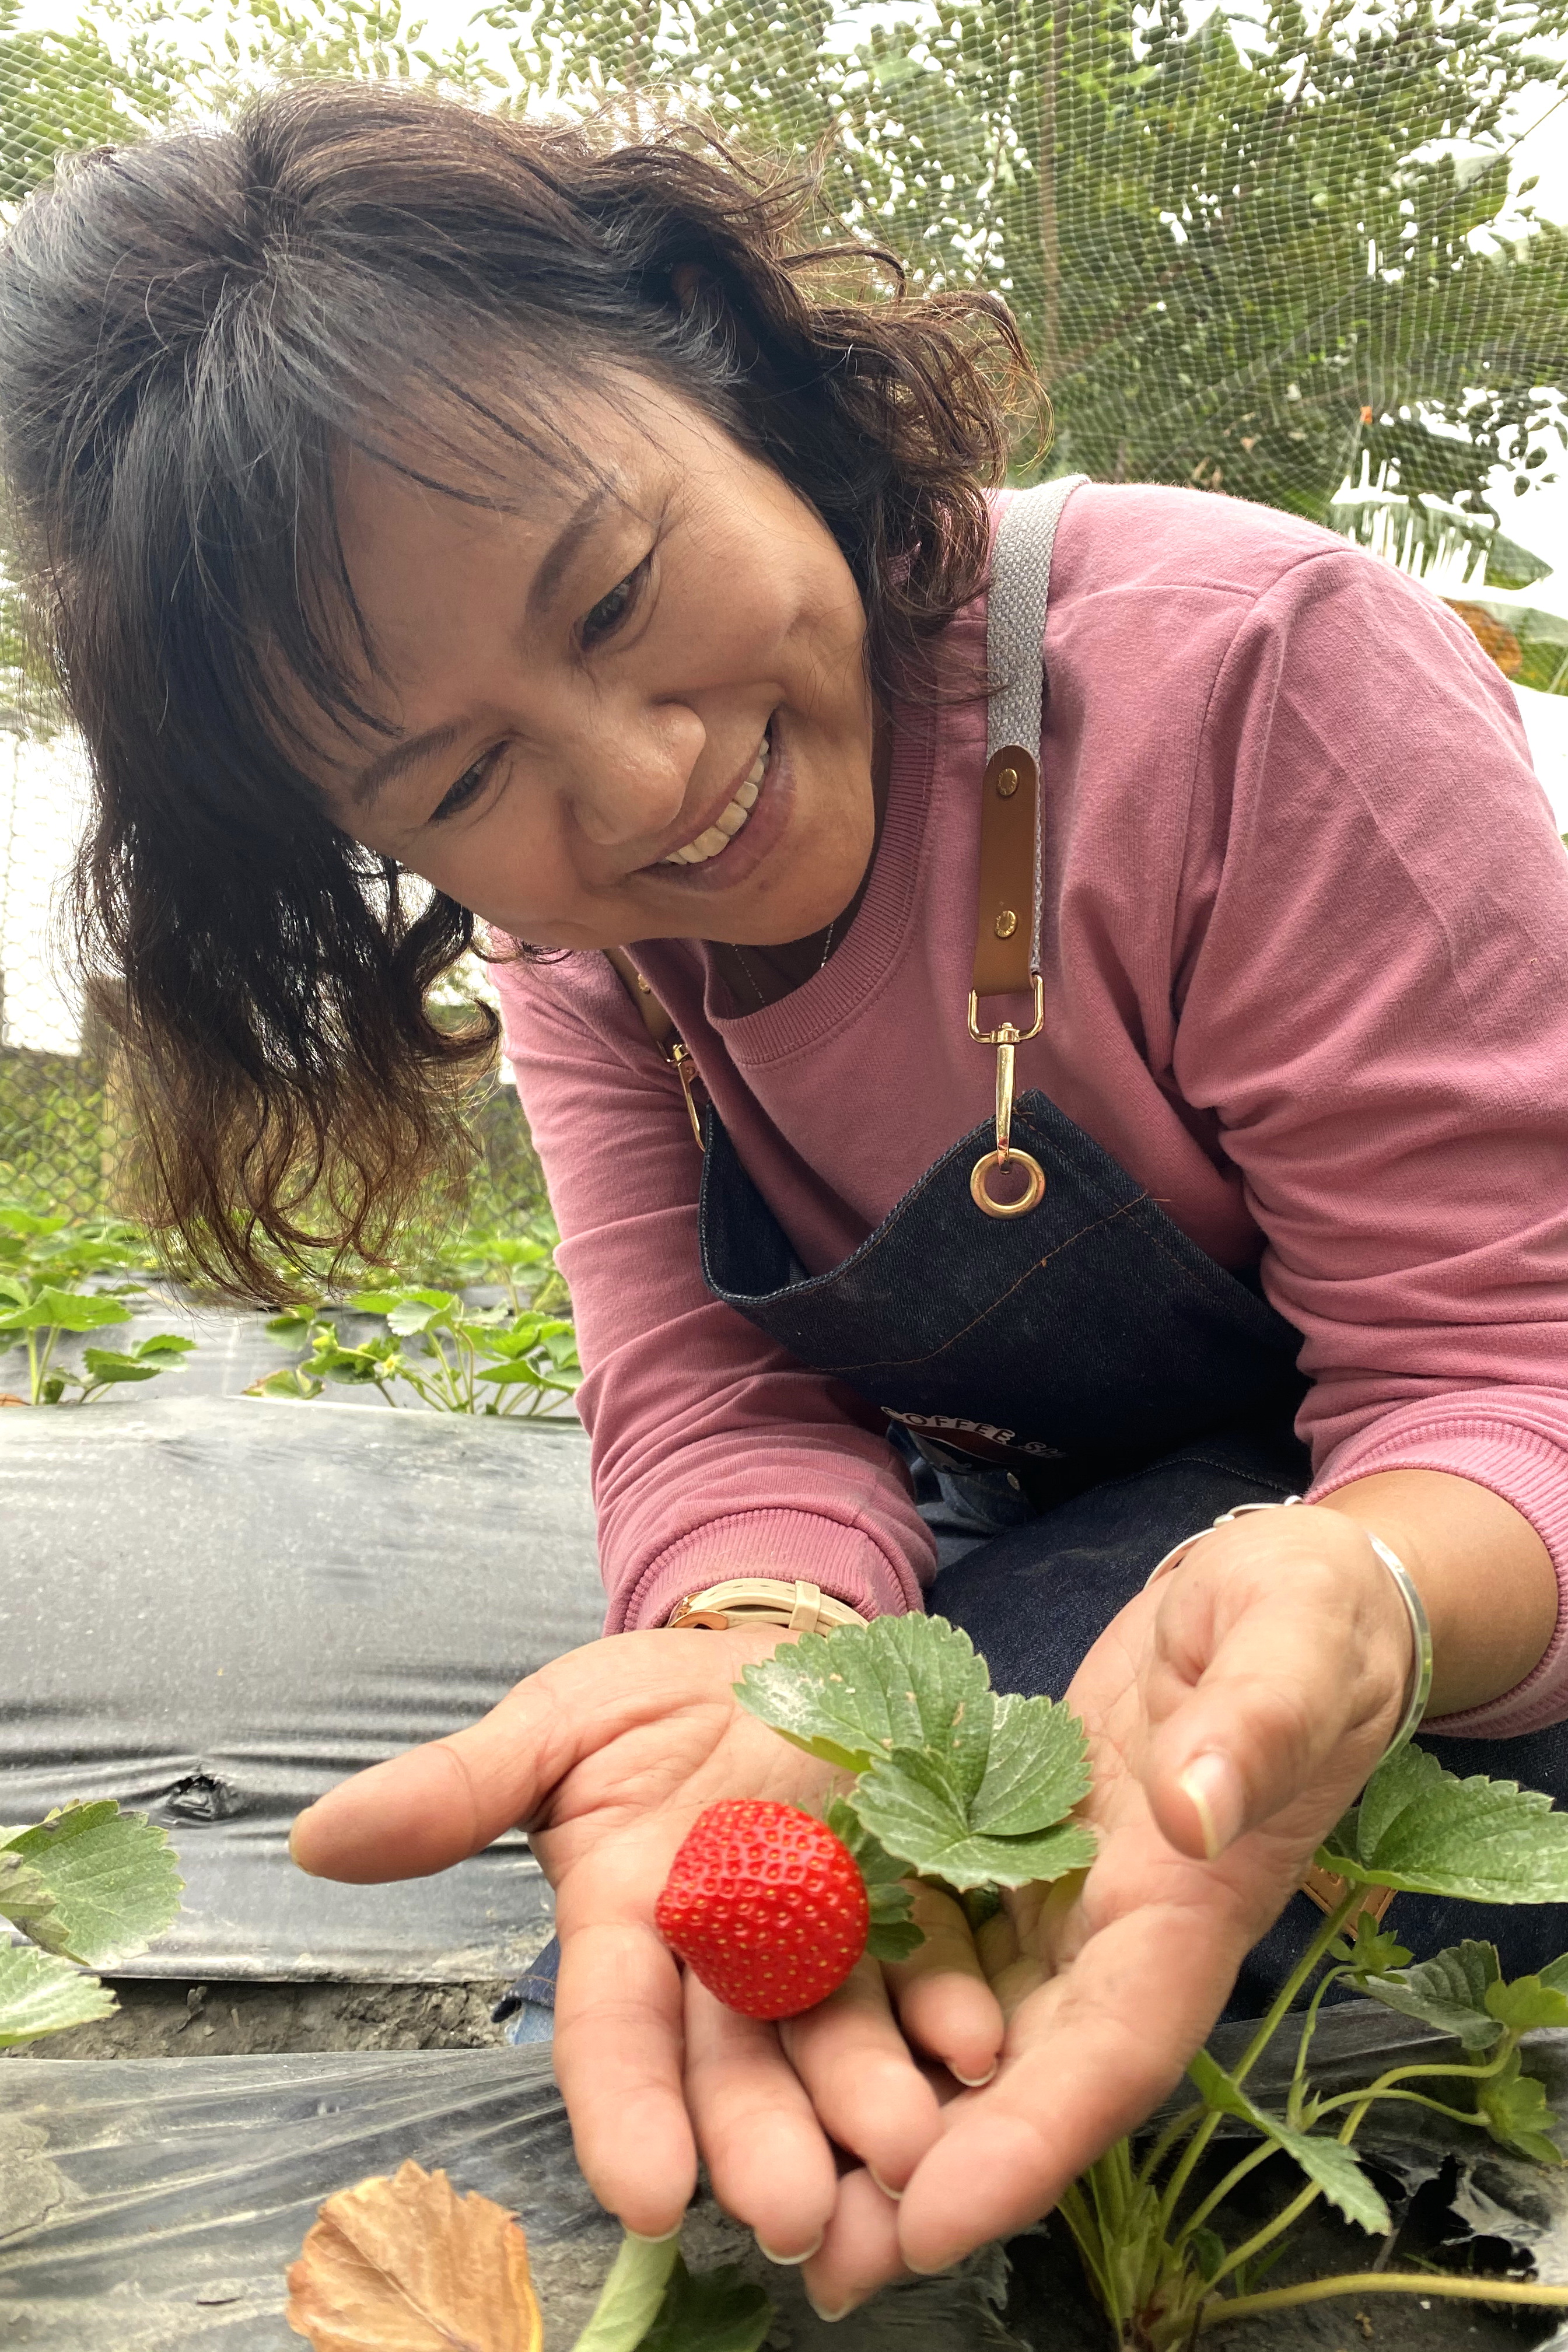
<point>1528,1471</point>
<point>845,1561</point>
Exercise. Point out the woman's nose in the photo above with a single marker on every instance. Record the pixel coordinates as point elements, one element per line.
<point>630,782</point>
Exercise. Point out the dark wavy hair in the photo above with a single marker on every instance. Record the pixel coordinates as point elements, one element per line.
<point>192,331</point>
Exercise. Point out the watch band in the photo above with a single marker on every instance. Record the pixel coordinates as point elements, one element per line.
<point>798,1607</point>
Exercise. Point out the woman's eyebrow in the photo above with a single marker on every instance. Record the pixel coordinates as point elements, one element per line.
<point>568,541</point>
<point>374,778</point>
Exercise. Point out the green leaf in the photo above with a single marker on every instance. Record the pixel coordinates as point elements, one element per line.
<point>107,1365</point>
<point>716,2311</point>
<point>40,1994</point>
<point>1369,1951</point>
<point>853,1696</point>
<point>64,1310</point>
<point>417,1310</point>
<point>1425,1831</point>
<point>914,1810</point>
<point>894,1939</point>
<point>114,1876</point>
<point>173,1344</point>
<point>632,2295</point>
<point>1527,2004</point>
<point>1327,2162</point>
<point>512,1375</point>
<point>25,1894</point>
<point>1512,2105</point>
<point>1038,1768</point>
<point>1450,1992</point>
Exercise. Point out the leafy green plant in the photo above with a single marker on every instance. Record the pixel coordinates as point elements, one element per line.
<point>90,1887</point>
<point>455,1358</point>
<point>976,1791</point>
<point>652,2303</point>
<point>52,1284</point>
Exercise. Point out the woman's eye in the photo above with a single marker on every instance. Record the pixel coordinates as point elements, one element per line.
<point>607,616</point>
<point>467,788</point>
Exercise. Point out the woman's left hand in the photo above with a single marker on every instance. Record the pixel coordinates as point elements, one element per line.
<point>1235,1710</point>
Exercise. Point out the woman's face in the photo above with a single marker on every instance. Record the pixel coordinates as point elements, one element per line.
<point>632,713</point>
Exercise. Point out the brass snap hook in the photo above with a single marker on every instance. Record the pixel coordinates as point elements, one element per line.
<point>1007,1039</point>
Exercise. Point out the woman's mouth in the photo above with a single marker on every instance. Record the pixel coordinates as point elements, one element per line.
<point>729,820</point>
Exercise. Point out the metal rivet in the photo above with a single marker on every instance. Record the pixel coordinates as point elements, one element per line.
<point>645,985</point>
<point>1007,783</point>
<point>1006,923</point>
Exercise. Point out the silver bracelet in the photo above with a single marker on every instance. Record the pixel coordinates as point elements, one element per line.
<point>1419,1688</point>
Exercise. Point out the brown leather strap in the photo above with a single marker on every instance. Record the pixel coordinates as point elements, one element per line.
<point>1005,914</point>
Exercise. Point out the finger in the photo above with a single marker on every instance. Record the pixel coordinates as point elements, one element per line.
<point>617,2056</point>
<point>436,1805</point>
<point>766,2152</point>
<point>1264,1687</point>
<point>863,2083</point>
<point>859,2252</point>
<point>1089,2055</point>
<point>944,2003</point>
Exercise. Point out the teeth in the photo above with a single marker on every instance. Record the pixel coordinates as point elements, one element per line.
<point>728,822</point>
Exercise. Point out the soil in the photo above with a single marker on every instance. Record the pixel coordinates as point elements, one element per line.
<point>157,2019</point>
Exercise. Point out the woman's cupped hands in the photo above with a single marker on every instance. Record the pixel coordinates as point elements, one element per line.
<point>1233,1710</point>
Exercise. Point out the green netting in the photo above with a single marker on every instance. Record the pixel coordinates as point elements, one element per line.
<point>1283,255</point>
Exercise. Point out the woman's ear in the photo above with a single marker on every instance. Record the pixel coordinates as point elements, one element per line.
<point>688,283</point>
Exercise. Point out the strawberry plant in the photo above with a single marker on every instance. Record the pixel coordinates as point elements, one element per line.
<point>89,1886</point>
<point>53,1283</point>
<point>976,1791</point>
<point>455,1358</point>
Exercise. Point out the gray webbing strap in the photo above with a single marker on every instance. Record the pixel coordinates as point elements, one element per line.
<point>1015,611</point>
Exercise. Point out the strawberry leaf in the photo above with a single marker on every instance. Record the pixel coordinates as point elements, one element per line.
<point>915,1810</point>
<point>1369,1952</point>
<point>716,2311</point>
<point>1327,2162</point>
<point>1527,2004</point>
<point>114,1881</point>
<point>1512,2105</point>
<point>1449,1991</point>
<point>632,2295</point>
<point>40,1994</point>
<point>853,1696</point>
<point>1038,1768</point>
<point>1424,1830</point>
<point>24,1895</point>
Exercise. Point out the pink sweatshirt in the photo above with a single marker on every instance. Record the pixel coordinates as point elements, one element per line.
<point>1305,950</point>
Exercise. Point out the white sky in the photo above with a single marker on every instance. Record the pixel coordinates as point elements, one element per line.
<point>41,786</point>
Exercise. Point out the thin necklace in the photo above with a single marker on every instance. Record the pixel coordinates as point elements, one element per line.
<point>761,993</point>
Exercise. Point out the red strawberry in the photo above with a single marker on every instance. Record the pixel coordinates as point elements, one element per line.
<point>766,1906</point>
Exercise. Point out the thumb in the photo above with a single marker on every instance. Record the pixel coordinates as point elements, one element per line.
<point>435,1805</point>
<point>1282,1680</point>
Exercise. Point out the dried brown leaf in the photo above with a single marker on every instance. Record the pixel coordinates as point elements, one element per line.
<point>405,2264</point>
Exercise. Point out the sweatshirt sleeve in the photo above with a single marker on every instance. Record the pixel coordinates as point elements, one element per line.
<point>714,1453</point>
<point>1371,982</point>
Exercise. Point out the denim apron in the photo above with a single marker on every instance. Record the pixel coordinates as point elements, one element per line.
<point>1074,1388</point>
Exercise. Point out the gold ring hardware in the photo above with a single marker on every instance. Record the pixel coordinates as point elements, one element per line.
<point>1029,1198</point>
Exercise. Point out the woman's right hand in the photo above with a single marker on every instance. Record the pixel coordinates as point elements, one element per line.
<point>606,1756</point>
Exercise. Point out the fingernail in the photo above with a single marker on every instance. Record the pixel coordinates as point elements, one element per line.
<point>896,2194</point>
<point>663,2238</point>
<point>839,2310</point>
<point>976,2081</point>
<point>789,2261</point>
<point>1212,1786</point>
<point>293,1854</point>
<point>939,2270</point>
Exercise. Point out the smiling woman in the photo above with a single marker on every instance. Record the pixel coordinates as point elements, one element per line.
<point>1113,953</point>
<point>310,425</point>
